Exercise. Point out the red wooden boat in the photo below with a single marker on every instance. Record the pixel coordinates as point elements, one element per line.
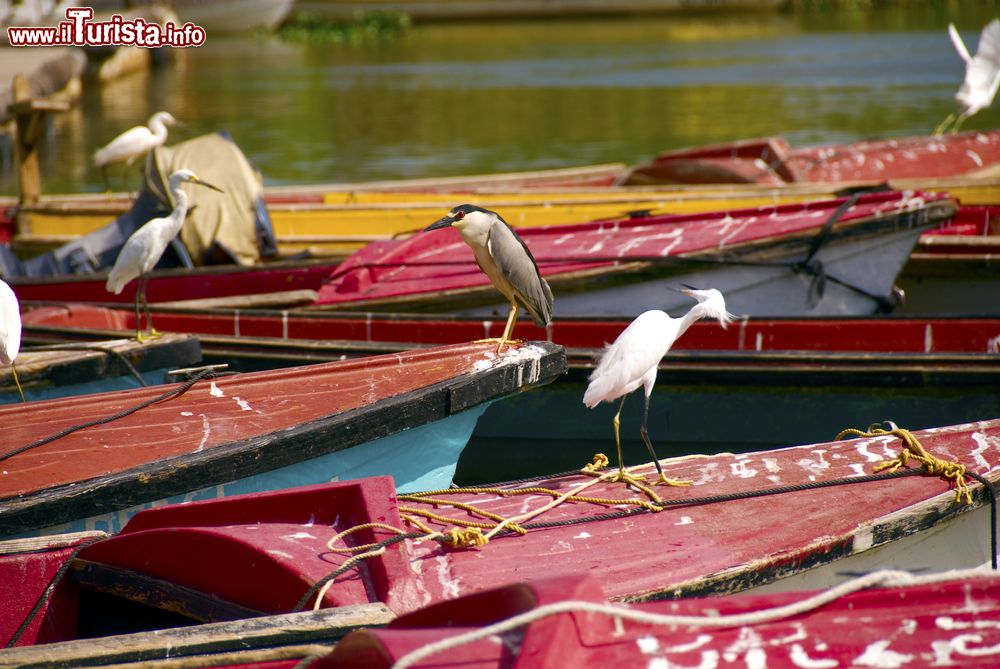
<point>257,331</point>
<point>792,518</point>
<point>569,624</point>
<point>91,461</point>
<point>788,260</point>
<point>919,371</point>
<point>281,283</point>
<point>960,245</point>
<point>771,160</point>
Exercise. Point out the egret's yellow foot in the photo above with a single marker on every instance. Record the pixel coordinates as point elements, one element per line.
<point>623,476</point>
<point>662,479</point>
<point>151,335</point>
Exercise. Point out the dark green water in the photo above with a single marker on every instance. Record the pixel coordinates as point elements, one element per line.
<point>463,98</point>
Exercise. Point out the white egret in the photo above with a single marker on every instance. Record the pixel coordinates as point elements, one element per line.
<point>506,260</point>
<point>982,74</point>
<point>143,249</point>
<point>134,142</point>
<point>633,359</point>
<point>10,331</point>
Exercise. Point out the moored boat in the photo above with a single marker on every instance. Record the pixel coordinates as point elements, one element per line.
<point>91,461</point>
<point>920,371</point>
<point>567,622</point>
<point>771,160</point>
<point>818,258</point>
<point>795,518</point>
<point>68,368</point>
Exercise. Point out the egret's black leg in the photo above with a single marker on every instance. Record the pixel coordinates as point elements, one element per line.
<point>138,318</point>
<point>645,437</point>
<point>153,334</point>
<point>662,478</point>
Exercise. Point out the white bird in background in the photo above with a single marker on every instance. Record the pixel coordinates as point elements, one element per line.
<point>143,249</point>
<point>134,142</point>
<point>633,359</point>
<point>10,331</point>
<point>982,74</point>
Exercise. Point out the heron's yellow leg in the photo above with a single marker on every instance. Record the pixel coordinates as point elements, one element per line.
<point>944,124</point>
<point>509,329</point>
<point>17,382</point>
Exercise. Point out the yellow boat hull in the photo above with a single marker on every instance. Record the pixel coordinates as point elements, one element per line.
<point>345,220</point>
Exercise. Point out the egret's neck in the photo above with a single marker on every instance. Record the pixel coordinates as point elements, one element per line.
<point>695,313</point>
<point>159,130</point>
<point>180,207</point>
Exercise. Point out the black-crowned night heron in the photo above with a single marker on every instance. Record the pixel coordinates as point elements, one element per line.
<point>506,260</point>
<point>633,359</point>
<point>982,74</point>
<point>10,331</point>
<point>143,249</point>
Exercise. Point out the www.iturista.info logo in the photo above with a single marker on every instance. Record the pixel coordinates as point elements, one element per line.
<point>80,30</point>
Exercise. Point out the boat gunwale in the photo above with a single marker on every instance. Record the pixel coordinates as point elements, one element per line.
<point>237,459</point>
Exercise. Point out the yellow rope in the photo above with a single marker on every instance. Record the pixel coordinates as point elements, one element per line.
<point>912,448</point>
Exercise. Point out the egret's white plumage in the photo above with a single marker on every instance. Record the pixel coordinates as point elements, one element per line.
<point>10,330</point>
<point>632,360</point>
<point>135,142</point>
<point>506,260</point>
<point>982,73</point>
<point>143,249</point>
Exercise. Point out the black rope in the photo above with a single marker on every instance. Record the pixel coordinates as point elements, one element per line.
<point>50,590</point>
<point>174,392</point>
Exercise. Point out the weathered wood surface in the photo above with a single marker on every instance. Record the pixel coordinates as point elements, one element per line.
<point>265,633</point>
<point>236,426</point>
<point>158,593</point>
<point>690,548</point>
<point>69,363</point>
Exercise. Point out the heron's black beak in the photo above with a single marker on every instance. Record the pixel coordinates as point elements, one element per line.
<point>440,223</point>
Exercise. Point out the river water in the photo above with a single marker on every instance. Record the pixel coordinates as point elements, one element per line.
<point>486,97</point>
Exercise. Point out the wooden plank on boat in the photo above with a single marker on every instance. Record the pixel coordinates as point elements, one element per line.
<point>312,627</point>
<point>69,363</point>
<point>36,544</point>
<point>287,298</point>
<point>256,422</point>
<point>156,592</point>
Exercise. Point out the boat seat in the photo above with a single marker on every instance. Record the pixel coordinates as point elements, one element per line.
<point>255,553</point>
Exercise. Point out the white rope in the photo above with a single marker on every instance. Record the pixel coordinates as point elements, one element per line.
<point>885,578</point>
